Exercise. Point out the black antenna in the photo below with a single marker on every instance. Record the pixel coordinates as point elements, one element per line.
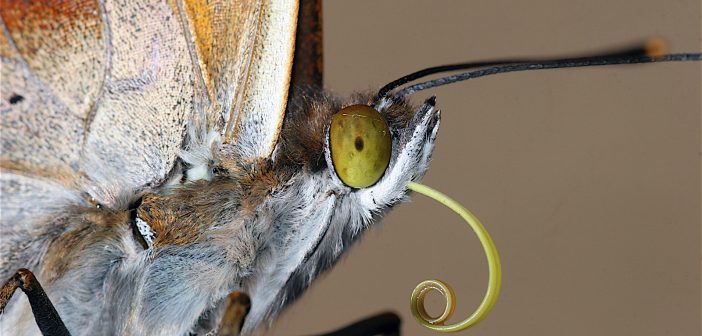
<point>654,47</point>
<point>438,69</point>
<point>555,64</point>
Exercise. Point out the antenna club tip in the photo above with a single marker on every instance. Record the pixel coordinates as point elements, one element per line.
<point>656,46</point>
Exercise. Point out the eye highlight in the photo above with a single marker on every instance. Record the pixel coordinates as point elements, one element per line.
<point>360,145</point>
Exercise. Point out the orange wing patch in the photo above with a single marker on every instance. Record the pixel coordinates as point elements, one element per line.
<point>62,43</point>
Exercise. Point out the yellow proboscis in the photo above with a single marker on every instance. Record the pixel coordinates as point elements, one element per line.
<point>494,280</point>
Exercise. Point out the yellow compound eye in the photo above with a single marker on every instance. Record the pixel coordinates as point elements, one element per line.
<point>360,143</point>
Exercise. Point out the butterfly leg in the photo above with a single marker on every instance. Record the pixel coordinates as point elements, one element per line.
<point>48,319</point>
<point>238,305</point>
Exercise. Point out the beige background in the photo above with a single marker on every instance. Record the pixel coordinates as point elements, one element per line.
<point>588,180</point>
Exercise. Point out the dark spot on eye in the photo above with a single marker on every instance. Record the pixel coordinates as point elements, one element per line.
<point>358,143</point>
<point>15,98</point>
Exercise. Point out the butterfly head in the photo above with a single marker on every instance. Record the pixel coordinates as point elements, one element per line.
<point>365,146</point>
<point>344,164</point>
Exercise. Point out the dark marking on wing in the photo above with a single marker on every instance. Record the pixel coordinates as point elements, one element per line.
<point>15,98</point>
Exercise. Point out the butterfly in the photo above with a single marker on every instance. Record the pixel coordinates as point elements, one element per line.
<point>149,139</point>
<point>232,200</point>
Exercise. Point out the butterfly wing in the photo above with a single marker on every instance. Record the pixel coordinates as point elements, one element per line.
<point>97,97</point>
<point>245,53</point>
<point>53,65</point>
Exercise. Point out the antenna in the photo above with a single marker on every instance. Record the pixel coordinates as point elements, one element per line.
<point>651,51</point>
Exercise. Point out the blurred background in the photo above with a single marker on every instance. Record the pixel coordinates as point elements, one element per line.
<point>588,179</point>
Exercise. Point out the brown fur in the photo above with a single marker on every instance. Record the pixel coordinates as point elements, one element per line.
<point>183,216</point>
<point>84,227</point>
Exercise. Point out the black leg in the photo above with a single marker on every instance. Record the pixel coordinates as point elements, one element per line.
<point>386,324</point>
<point>238,305</point>
<point>45,314</point>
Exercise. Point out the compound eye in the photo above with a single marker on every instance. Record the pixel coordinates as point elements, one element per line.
<point>360,144</point>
